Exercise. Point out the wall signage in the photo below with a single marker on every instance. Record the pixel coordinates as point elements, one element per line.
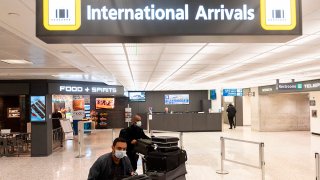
<point>78,20</point>
<point>290,86</point>
<point>79,89</point>
<point>305,86</point>
<point>232,92</point>
<point>312,85</point>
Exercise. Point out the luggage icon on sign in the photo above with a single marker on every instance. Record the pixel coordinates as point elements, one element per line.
<point>62,15</point>
<point>278,15</point>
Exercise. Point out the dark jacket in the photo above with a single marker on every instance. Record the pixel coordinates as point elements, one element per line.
<point>231,111</point>
<point>134,132</point>
<point>101,169</point>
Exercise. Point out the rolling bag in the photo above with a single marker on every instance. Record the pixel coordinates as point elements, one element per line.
<point>138,177</point>
<point>166,143</point>
<point>176,174</point>
<point>165,161</point>
<point>165,139</point>
<point>144,146</point>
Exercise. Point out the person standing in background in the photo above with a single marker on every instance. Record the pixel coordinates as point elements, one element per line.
<point>134,132</point>
<point>231,114</point>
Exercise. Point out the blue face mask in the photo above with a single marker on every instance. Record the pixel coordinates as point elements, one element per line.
<point>120,154</point>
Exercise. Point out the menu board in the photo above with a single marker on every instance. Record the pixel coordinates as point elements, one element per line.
<point>38,108</point>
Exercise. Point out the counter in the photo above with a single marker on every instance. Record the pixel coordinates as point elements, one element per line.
<point>186,122</point>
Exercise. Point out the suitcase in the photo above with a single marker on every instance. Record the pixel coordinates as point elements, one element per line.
<point>165,139</point>
<point>138,177</point>
<point>165,161</point>
<point>176,174</point>
<point>167,149</point>
<point>166,143</point>
<point>144,146</point>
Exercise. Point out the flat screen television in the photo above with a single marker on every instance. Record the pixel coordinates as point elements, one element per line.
<point>137,96</point>
<point>38,109</point>
<point>213,94</point>
<point>104,103</point>
<point>171,99</point>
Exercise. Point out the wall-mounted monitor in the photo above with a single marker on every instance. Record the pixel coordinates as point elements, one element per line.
<point>135,96</point>
<point>213,94</point>
<point>171,99</point>
<point>38,108</point>
<point>104,103</point>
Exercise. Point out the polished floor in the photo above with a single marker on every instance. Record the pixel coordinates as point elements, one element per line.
<point>288,156</point>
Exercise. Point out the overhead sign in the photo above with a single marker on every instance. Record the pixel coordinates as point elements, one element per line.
<point>305,86</point>
<point>290,86</point>
<point>232,92</point>
<point>80,89</point>
<point>67,21</point>
<point>313,85</point>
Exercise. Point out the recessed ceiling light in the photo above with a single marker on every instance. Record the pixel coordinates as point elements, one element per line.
<point>13,14</point>
<point>66,52</point>
<point>16,61</point>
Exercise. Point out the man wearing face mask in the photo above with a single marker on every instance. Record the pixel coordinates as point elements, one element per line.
<point>112,166</point>
<point>134,132</point>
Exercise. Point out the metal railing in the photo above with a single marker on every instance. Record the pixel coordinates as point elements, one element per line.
<point>261,156</point>
<point>317,166</point>
<point>57,138</point>
<point>180,135</point>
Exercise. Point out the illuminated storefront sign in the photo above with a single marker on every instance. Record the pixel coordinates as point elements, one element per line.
<point>77,20</point>
<point>56,88</point>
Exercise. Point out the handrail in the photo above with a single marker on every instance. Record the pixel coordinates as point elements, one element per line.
<point>180,135</point>
<point>261,156</point>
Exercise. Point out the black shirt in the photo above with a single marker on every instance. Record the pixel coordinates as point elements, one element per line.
<point>134,132</point>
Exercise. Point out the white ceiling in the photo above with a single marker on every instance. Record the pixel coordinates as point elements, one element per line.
<point>158,66</point>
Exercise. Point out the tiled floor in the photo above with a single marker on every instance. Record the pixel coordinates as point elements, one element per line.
<point>288,156</point>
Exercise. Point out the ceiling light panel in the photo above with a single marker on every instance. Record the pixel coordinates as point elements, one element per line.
<point>166,68</point>
<point>221,49</point>
<point>311,26</point>
<point>140,50</point>
<point>102,58</point>
<point>144,57</point>
<point>142,63</point>
<point>16,61</point>
<point>255,48</point>
<point>175,49</point>
<point>173,63</point>
<point>176,57</point>
<point>113,68</point>
<point>142,68</point>
<point>103,45</point>
<point>124,62</point>
<point>306,40</point>
<point>207,57</point>
<point>105,50</point>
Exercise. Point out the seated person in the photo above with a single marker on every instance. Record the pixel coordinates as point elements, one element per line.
<point>113,165</point>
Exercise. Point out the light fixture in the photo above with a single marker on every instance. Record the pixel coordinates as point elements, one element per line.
<point>16,61</point>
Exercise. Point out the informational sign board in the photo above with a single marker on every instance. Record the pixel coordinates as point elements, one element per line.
<point>232,92</point>
<point>93,21</point>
